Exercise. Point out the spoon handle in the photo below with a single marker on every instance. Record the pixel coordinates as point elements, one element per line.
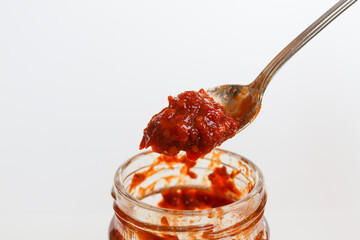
<point>267,74</point>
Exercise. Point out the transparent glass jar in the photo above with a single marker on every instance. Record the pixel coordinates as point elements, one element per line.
<point>137,216</point>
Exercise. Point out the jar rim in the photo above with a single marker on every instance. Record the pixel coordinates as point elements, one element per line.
<point>119,184</point>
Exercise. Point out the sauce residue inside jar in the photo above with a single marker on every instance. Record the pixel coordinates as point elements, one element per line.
<point>193,199</point>
<point>193,122</point>
<point>222,189</point>
<point>140,177</point>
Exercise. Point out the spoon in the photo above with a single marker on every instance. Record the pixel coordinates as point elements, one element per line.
<point>243,102</point>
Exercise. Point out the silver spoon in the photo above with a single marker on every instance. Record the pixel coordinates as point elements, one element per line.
<point>243,102</point>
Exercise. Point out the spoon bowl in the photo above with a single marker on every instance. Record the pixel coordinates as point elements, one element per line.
<point>242,102</point>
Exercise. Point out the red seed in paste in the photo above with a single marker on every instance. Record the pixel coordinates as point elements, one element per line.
<point>193,122</point>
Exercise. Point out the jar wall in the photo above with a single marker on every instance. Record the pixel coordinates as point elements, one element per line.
<point>117,231</point>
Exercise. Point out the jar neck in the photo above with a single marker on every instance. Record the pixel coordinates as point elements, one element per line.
<point>152,222</point>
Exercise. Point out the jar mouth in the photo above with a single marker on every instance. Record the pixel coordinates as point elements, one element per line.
<point>124,193</point>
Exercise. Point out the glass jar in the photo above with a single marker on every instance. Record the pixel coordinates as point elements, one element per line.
<point>137,216</point>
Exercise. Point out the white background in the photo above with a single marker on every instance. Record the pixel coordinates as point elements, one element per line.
<point>79,80</point>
